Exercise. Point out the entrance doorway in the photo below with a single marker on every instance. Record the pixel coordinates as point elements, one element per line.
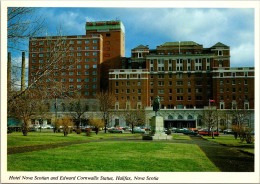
<point>180,123</point>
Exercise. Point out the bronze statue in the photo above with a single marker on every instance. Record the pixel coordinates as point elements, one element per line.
<point>156,105</point>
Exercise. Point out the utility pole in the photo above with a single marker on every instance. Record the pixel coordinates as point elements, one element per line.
<point>23,72</point>
<point>9,73</point>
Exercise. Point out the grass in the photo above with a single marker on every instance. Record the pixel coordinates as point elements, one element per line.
<point>37,138</point>
<point>181,136</point>
<point>231,141</point>
<point>115,156</point>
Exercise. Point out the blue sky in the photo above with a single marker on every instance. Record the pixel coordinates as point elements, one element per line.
<point>154,26</point>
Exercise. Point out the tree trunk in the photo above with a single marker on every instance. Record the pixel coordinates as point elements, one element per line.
<point>132,129</point>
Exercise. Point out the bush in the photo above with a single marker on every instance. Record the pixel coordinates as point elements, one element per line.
<point>78,131</point>
<point>88,132</point>
<point>66,122</point>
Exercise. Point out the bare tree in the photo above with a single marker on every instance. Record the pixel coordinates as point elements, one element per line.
<point>24,108</point>
<point>77,107</point>
<point>240,117</point>
<point>45,78</point>
<point>22,23</point>
<point>134,117</point>
<point>210,119</point>
<point>106,102</point>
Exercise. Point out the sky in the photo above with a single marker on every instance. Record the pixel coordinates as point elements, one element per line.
<point>154,26</point>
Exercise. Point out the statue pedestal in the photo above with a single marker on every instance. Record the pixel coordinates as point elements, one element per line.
<point>157,128</point>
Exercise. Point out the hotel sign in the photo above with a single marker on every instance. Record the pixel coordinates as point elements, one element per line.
<point>103,23</point>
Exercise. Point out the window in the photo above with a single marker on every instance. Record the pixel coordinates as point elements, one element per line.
<point>86,93</point>
<point>94,47</point>
<point>233,82</point>
<point>79,73</point>
<point>79,42</point>
<point>86,86</point>
<point>86,80</point>
<point>78,86</point>
<point>63,80</point>
<point>221,90</point>
<point>94,66</point>
<point>87,66</point>
<point>179,90</point>
<point>245,82</point>
<point>94,86</point>
<point>86,41</point>
<point>179,83</point>
<point>78,66</point>
<point>94,41</point>
<point>86,53</point>
<point>94,79</point>
<point>94,53</point>
<point>70,80</point>
<point>246,90</point>
<point>221,74</point>
<point>71,42</point>
<point>221,82</point>
<point>220,53</point>
<point>40,55</point>
<point>79,54</point>
<point>161,91</point>
<point>86,59</point>
<point>94,59</point>
<point>234,90</point>
<point>70,73</point>
<point>94,73</point>
<point>63,73</point>
<point>179,98</point>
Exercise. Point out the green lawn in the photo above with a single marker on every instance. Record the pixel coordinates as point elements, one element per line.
<point>181,136</point>
<point>37,138</point>
<point>115,156</point>
<point>231,141</point>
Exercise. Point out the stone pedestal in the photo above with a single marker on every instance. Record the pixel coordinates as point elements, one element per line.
<point>157,128</point>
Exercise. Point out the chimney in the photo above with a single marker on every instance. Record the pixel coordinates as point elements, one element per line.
<point>9,72</point>
<point>23,72</point>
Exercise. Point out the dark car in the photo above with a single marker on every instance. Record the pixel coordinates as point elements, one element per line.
<point>190,132</point>
<point>180,130</point>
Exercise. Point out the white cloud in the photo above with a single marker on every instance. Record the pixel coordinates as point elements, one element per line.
<point>242,55</point>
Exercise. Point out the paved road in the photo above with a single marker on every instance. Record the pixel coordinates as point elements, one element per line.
<point>227,159</point>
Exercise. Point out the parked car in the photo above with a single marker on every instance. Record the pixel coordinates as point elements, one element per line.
<point>139,130</point>
<point>180,130</point>
<point>190,132</point>
<point>116,130</point>
<point>228,131</point>
<point>205,132</point>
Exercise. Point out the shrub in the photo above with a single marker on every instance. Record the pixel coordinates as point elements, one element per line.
<point>78,131</point>
<point>66,122</point>
<point>97,123</point>
<point>88,132</point>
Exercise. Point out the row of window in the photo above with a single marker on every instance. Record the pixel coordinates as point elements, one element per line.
<point>64,67</point>
<point>179,68</point>
<point>233,74</point>
<point>128,98</point>
<point>64,42</point>
<point>94,79</point>
<point>64,54</point>
<point>64,60</point>
<point>180,90</point>
<point>234,97</point>
<point>179,83</point>
<point>222,90</point>
<point>70,48</point>
<point>221,82</point>
<point>128,91</point>
<point>178,61</point>
<point>179,98</point>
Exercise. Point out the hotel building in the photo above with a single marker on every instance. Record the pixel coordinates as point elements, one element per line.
<point>185,75</point>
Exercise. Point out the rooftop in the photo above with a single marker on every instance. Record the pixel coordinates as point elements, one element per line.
<point>105,25</point>
<point>181,43</point>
